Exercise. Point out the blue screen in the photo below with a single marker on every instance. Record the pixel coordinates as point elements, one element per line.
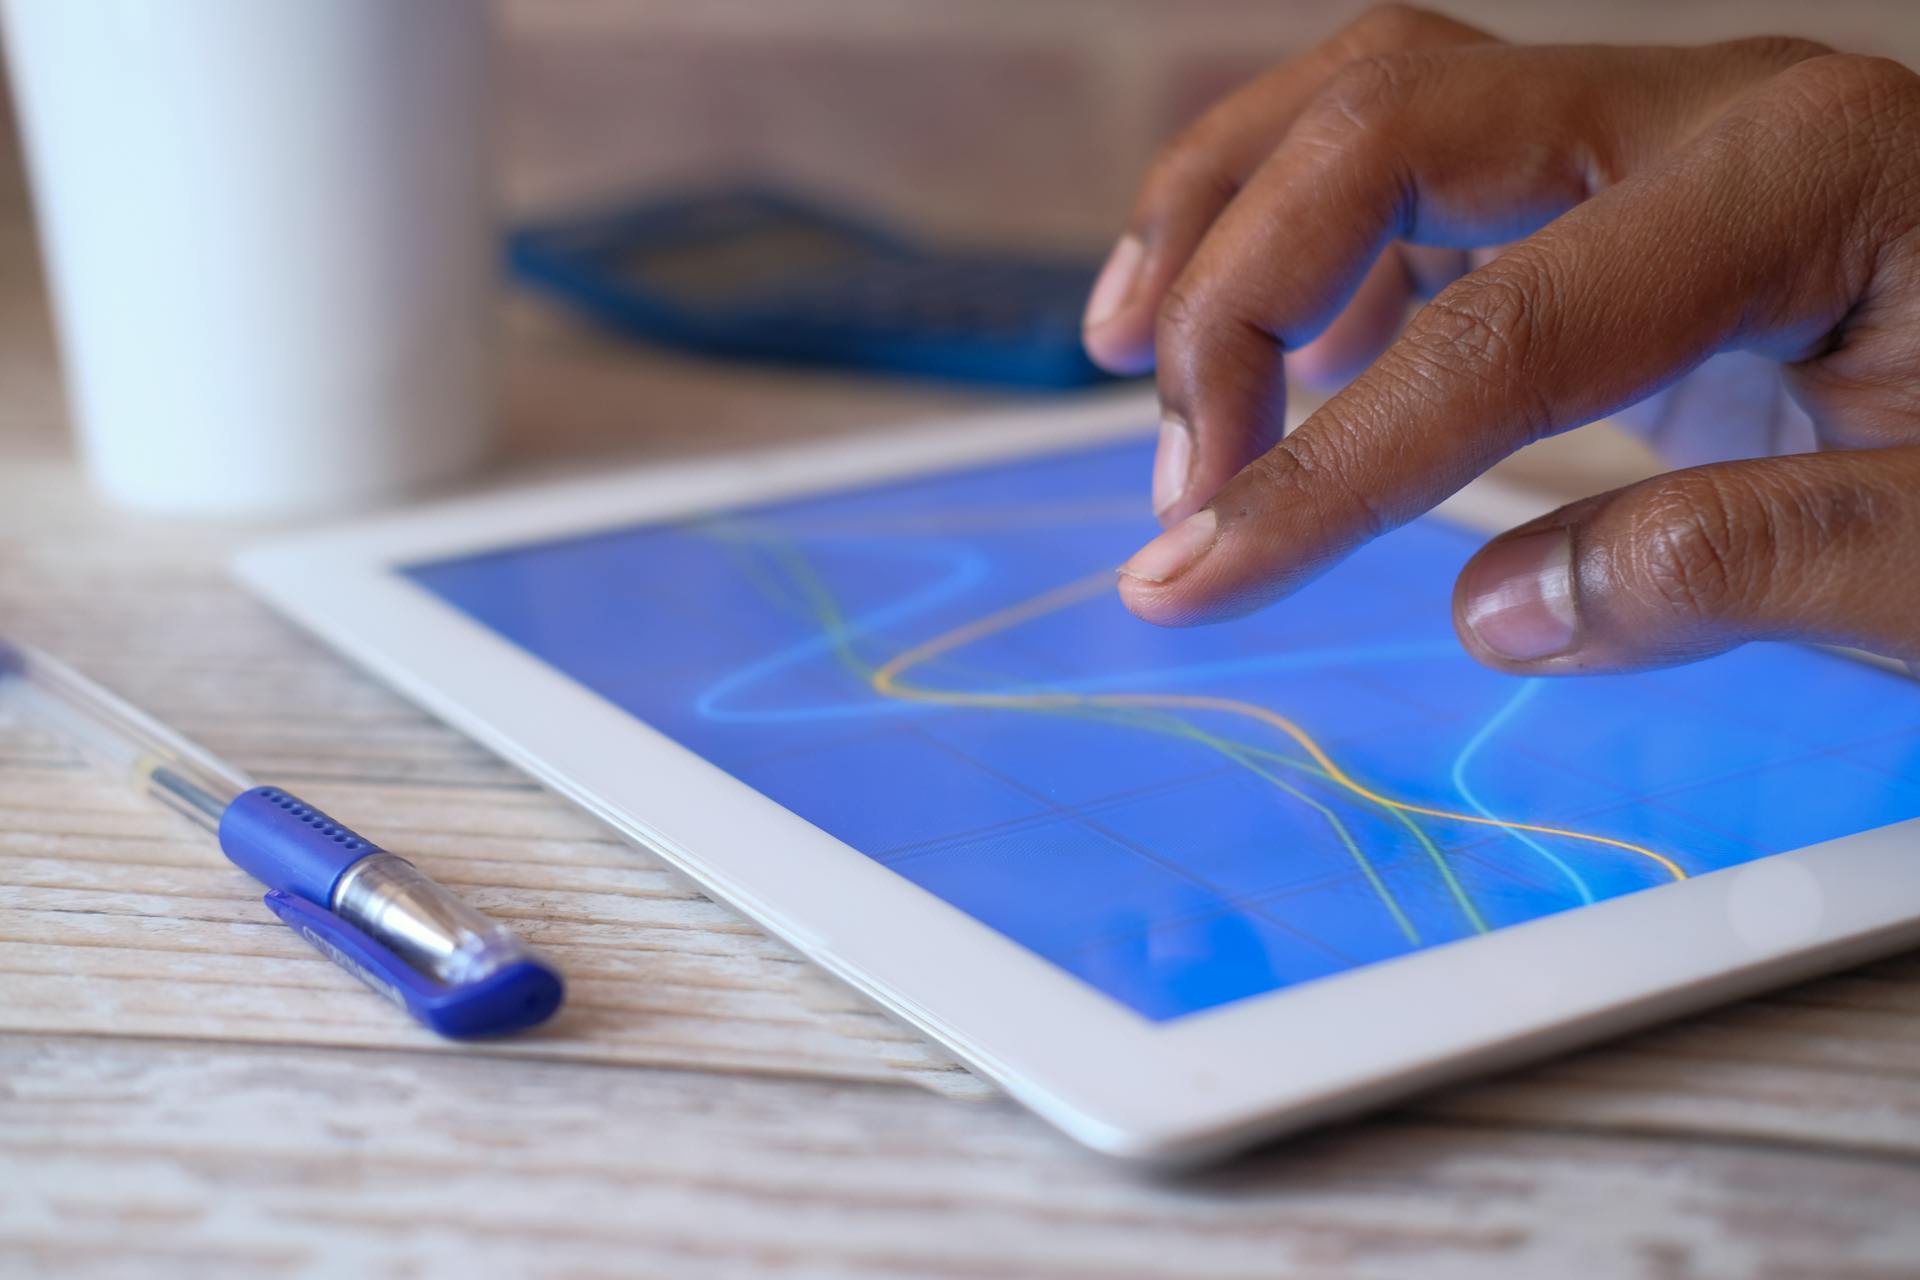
<point>938,673</point>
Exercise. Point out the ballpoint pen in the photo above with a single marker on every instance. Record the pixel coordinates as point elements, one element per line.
<point>371,912</point>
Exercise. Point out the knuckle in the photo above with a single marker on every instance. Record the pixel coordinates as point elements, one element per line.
<point>1483,320</point>
<point>1851,92</point>
<point>1757,542</point>
<point>1278,468</point>
<point>1389,26</point>
<point>1481,330</point>
<point>1188,165</point>
<point>1368,94</point>
<point>1854,122</point>
<point>1777,51</point>
<point>1318,460</point>
<point>1182,313</point>
<point>1204,334</point>
<point>1690,537</point>
<point>1869,79</point>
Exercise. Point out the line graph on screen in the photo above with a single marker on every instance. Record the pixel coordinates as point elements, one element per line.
<point>1154,711</point>
<point>937,673</point>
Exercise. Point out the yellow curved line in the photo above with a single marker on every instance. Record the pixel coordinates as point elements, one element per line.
<point>1354,851</point>
<point>1339,775</point>
<point>1244,754</point>
<point>827,613</point>
<point>886,682</point>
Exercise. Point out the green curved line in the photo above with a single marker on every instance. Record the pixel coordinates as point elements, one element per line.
<point>832,620</point>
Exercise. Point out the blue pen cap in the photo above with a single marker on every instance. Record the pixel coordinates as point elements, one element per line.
<point>289,845</point>
<point>519,994</point>
<point>379,917</point>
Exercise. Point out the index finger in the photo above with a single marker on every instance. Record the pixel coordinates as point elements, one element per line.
<point>1197,175</point>
<point>1707,250</point>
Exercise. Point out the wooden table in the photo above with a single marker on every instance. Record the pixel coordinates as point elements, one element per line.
<point>189,1089</point>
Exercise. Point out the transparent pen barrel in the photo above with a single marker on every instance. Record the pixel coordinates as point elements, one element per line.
<point>389,898</point>
<point>116,735</point>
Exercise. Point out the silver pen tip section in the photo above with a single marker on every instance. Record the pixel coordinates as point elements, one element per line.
<point>393,901</point>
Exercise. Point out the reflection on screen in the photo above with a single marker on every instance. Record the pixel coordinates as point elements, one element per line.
<point>938,673</point>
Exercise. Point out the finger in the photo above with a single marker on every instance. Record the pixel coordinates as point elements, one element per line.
<point>1374,314</point>
<point>1196,175</point>
<point>1815,547</point>
<point>1708,250</point>
<point>1371,318</point>
<point>1455,148</point>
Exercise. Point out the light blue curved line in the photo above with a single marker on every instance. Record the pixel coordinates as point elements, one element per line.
<point>821,711</point>
<point>747,531</point>
<point>1132,679</point>
<point>970,568</point>
<point>1478,740</point>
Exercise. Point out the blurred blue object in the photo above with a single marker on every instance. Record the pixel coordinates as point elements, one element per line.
<point>758,275</point>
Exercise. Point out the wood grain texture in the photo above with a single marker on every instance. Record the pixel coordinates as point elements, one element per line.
<point>186,1089</point>
<point>237,1160</point>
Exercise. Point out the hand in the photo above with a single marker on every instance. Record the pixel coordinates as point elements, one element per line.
<point>1663,205</point>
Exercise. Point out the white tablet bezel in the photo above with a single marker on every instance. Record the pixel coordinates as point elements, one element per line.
<point>1182,1090</point>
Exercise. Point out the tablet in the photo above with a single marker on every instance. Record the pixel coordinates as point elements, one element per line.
<point>1176,890</point>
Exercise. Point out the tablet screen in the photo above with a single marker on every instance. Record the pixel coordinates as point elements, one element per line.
<point>938,673</point>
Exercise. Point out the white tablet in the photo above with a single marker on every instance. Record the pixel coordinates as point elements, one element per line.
<point>1176,890</point>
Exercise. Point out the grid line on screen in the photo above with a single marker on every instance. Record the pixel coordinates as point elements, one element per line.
<point>1181,818</point>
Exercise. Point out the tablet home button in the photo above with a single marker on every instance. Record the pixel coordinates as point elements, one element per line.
<point>1775,903</point>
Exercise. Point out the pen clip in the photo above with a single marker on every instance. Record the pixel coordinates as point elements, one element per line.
<point>516,995</point>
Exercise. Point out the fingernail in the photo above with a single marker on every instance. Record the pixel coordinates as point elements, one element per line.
<point>1171,463</point>
<point>1174,552</point>
<point>1519,596</point>
<point>1115,281</point>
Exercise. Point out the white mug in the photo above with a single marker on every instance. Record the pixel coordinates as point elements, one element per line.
<point>268,232</point>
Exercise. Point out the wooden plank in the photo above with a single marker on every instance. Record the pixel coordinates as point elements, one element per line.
<point>274,1160</point>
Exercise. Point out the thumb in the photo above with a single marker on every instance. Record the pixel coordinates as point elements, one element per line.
<point>1812,547</point>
